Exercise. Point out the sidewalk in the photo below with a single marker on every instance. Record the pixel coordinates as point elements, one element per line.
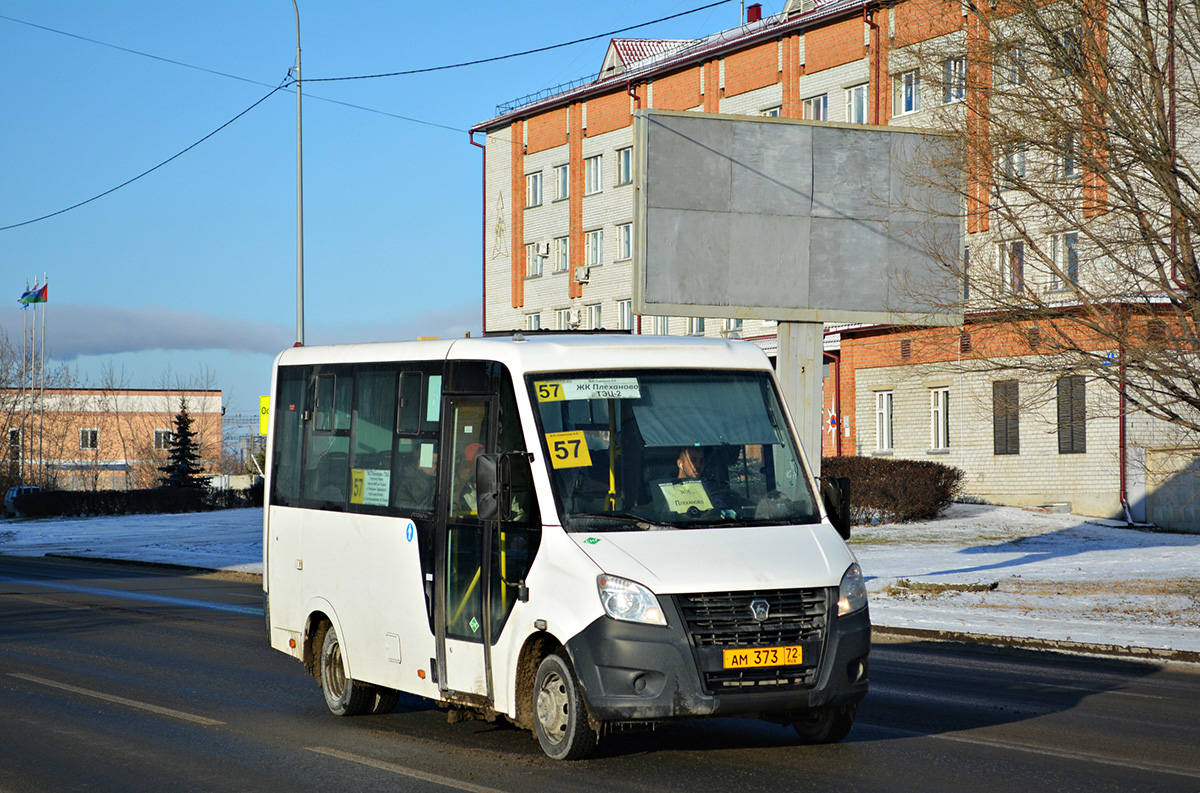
<point>1013,575</point>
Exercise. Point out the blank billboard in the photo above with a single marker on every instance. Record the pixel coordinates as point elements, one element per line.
<point>790,220</point>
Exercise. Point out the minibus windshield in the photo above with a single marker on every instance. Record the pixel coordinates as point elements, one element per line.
<point>642,450</point>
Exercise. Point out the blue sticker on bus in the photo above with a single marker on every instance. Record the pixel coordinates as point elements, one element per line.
<point>409,533</point>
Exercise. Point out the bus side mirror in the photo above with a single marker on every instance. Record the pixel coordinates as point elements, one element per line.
<point>487,486</point>
<point>835,492</point>
<point>503,486</point>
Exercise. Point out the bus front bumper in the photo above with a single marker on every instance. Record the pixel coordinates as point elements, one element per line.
<point>632,672</point>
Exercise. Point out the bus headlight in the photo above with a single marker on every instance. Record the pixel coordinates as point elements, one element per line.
<point>629,601</point>
<point>852,592</point>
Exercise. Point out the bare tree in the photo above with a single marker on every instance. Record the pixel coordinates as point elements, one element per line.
<point>1073,130</point>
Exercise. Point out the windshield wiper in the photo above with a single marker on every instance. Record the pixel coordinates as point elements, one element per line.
<point>613,521</point>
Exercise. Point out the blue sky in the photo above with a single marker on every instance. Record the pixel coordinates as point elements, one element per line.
<point>191,270</point>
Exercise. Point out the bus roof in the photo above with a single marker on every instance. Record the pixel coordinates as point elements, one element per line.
<point>548,352</point>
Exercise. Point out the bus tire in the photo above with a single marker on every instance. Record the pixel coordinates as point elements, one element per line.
<point>825,725</point>
<point>560,716</point>
<point>344,696</point>
<point>385,701</point>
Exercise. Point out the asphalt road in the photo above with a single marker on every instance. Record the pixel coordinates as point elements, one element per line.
<point>120,678</point>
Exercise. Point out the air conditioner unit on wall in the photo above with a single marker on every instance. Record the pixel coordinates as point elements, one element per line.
<point>543,249</point>
<point>581,275</point>
<point>573,316</point>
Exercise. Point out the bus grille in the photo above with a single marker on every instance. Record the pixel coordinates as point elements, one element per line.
<point>717,621</point>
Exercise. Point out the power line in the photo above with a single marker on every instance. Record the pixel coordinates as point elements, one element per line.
<point>186,65</point>
<point>149,170</point>
<point>133,51</point>
<point>515,54</point>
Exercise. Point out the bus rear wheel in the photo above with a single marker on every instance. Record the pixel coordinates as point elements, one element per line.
<point>560,717</point>
<point>343,695</point>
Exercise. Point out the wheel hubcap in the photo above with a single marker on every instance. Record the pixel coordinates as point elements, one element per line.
<point>553,707</point>
<point>334,675</point>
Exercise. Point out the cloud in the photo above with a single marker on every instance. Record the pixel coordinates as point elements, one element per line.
<point>74,331</point>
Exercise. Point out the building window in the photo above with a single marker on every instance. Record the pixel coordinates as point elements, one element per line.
<point>660,326</point>
<point>533,322</point>
<point>162,440</point>
<point>1011,66</point>
<point>89,438</point>
<point>773,112</point>
<point>593,175</point>
<point>594,317</point>
<point>1006,425</point>
<point>1072,412</point>
<point>816,108</point>
<point>733,325</point>
<point>1012,167</point>
<point>562,318</point>
<point>624,314</point>
<point>624,166</point>
<point>561,183</point>
<point>1065,250</point>
<point>593,248</point>
<point>533,261</point>
<point>856,104</point>
<point>1066,60</point>
<point>562,250</point>
<point>1070,161</point>
<point>1012,266</point>
<point>906,93</point>
<point>624,241</point>
<point>695,326</point>
<point>939,418</point>
<point>954,79</point>
<point>883,421</point>
<point>533,189</point>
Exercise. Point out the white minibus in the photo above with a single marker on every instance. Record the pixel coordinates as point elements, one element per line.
<point>575,532</point>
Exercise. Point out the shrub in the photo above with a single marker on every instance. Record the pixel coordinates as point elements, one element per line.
<point>888,490</point>
<point>47,503</point>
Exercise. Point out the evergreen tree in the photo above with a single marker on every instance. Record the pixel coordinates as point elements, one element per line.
<point>183,460</point>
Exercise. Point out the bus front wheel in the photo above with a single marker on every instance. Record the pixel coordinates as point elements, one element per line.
<point>825,725</point>
<point>344,696</point>
<point>561,719</point>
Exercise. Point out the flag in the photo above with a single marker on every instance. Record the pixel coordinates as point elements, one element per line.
<point>34,295</point>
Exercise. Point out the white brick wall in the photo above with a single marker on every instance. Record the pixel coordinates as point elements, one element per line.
<point>1038,475</point>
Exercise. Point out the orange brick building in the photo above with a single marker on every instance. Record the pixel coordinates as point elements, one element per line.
<point>557,251</point>
<point>102,439</point>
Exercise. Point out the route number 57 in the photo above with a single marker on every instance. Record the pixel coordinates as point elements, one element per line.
<point>568,449</point>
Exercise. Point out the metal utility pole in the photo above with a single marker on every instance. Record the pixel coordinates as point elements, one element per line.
<point>299,197</point>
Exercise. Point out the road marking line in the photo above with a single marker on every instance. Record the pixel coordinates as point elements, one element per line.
<point>1066,755</point>
<point>1062,753</point>
<point>133,703</point>
<point>425,776</point>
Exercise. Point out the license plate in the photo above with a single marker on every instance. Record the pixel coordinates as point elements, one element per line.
<point>792,655</point>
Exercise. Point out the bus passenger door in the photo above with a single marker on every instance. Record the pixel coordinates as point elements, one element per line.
<point>461,578</point>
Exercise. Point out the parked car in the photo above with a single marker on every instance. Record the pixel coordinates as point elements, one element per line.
<point>10,500</point>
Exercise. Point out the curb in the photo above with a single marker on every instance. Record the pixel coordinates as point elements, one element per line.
<point>1030,643</point>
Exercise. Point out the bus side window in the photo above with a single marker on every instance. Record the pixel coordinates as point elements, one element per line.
<point>327,440</point>
<point>374,412</point>
<point>288,435</point>
<point>408,408</point>
<point>414,470</point>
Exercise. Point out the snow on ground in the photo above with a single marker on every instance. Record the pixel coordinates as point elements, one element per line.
<point>1006,571</point>
<point>979,569</point>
